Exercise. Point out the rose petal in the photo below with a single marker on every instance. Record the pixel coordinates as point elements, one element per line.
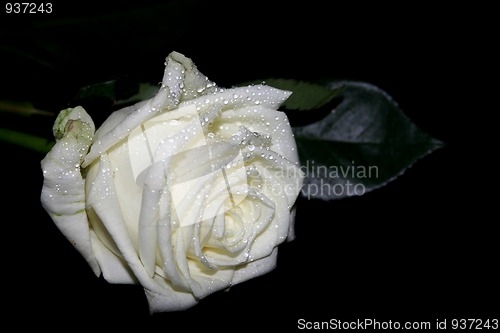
<point>143,112</point>
<point>102,198</point>
<point>256,268</point>
<point>114,269</point>
<point>168,299</point>
<point>149,216</point>
<point>208,280</point>
<point>63,192</point>
<point>166,228</point>
<point>235,98</point>
<point>194,83</point>
<point>116,118</point>
<point>264,120</point>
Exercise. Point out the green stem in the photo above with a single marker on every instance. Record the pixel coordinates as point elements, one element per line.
<point>25,140</point>
<point>23,109</point>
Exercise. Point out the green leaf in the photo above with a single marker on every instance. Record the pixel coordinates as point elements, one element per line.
<point>363,144</point>
<point>146,91</point>
<point>102,90</point>
<point>110,92</point>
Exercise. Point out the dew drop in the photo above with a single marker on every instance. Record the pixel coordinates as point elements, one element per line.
<point>251,147</point>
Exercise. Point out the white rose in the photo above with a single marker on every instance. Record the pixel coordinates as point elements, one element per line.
<point>187,193</point>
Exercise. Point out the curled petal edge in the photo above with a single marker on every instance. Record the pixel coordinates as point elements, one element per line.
<point>63,191</point>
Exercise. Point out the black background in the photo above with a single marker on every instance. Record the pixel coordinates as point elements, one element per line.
<point>420,248</point>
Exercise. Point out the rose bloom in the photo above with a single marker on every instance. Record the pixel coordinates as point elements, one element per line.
<point>186,193</point>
